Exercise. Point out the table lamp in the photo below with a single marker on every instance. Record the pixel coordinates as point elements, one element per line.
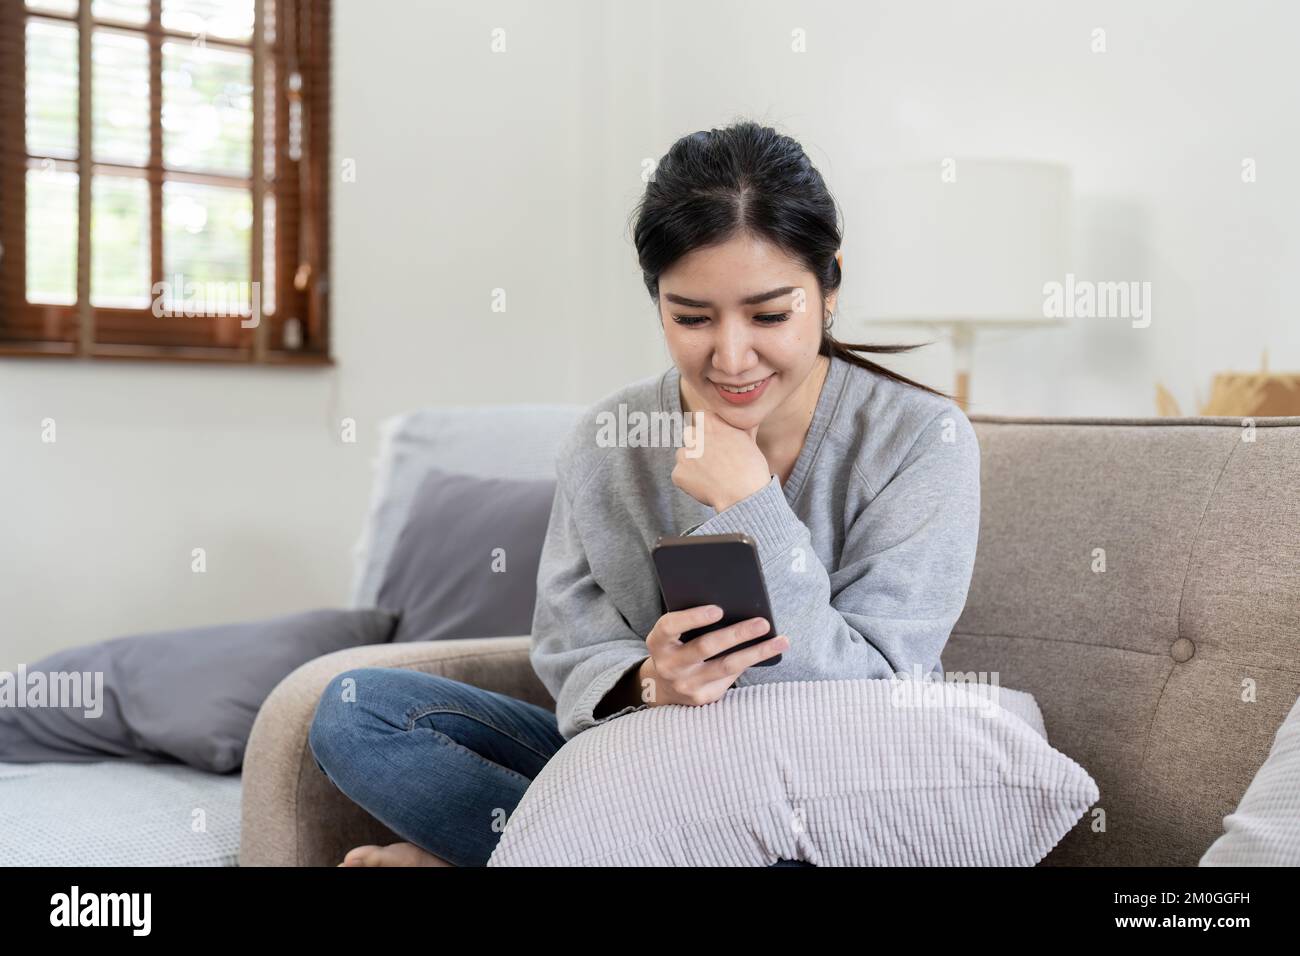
<point>965,245</point>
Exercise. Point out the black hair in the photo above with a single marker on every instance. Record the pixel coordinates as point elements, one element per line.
<point>747,179</point>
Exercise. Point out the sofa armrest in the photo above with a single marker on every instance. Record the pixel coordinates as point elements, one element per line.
<point>291,814</point>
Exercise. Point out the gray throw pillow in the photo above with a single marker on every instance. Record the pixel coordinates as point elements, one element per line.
<point>465,563</point>
<point>188,696</point>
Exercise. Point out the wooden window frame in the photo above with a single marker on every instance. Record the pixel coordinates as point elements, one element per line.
<point>301,43</point>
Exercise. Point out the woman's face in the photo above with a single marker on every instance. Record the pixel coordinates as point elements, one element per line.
<point>738,313</point>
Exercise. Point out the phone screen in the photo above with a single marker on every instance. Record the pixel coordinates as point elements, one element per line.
<point>714,569</point>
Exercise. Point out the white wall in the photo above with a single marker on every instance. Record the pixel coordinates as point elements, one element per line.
<point>518,171</point>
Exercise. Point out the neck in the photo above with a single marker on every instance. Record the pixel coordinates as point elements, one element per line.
<point>781,433</point>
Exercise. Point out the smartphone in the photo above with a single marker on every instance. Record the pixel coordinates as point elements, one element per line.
<point>721,569</point>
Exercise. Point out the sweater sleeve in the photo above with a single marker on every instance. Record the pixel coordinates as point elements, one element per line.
<point>581,644</point>
<point>903,574</point>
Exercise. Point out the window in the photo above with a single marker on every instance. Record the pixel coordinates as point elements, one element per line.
<point>163,179</point>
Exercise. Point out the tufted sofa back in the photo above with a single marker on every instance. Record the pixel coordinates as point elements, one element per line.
<point>1141,578</point>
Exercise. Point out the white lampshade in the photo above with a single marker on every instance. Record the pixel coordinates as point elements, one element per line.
<point>977,249</point>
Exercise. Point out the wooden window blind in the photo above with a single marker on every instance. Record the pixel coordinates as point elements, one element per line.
<point>164,179</point>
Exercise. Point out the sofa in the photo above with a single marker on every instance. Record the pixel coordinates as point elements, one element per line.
<point>1139,576</point>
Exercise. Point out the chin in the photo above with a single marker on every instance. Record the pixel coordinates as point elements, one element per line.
<point>746,419</point>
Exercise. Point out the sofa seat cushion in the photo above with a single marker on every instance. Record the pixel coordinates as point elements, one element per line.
<point>117,813</point>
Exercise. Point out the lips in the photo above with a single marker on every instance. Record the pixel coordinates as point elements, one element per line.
<point>744,398</point>
<point>742,385</point>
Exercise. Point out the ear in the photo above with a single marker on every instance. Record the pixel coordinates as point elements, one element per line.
<point>834,296</point>
<point>830,302</point>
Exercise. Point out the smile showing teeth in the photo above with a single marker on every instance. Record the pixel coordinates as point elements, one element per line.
<point>740,391</point>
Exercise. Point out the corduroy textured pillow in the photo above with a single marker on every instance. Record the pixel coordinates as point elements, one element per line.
<point>890,772</point>
<point>1264,830</point>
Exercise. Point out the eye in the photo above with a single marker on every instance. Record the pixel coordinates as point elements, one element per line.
<point>772,318</point>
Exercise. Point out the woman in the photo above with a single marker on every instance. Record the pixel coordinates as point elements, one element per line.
<point>860,487</point>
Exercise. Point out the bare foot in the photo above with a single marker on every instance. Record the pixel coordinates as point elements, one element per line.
<point>395,854</point>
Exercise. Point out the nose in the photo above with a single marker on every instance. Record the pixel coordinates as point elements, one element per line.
<point>732,351</point>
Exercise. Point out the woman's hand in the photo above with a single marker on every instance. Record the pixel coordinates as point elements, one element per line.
<point>729,467</point>
<point>678,671</point>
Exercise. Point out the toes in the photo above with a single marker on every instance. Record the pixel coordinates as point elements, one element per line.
<point>360,856</point>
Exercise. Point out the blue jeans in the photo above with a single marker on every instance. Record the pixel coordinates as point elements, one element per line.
<point>439,762</point>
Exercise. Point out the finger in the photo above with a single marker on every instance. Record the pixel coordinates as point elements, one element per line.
<point>731,666</point>
<point>677,623</point>
<point>715,642</point>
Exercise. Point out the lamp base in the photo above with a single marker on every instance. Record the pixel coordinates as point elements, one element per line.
<point>963,353</point>
<point>963,390</point>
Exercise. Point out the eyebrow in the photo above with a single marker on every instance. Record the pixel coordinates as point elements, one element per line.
<point>748,300</point>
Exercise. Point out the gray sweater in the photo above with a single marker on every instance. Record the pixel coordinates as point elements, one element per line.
<point>866,550</point>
